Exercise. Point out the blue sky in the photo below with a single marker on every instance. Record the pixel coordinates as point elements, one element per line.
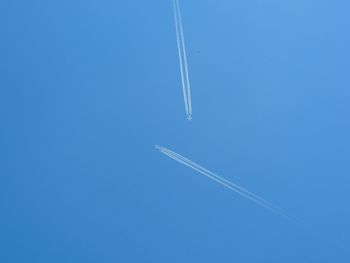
<point>88,87</point>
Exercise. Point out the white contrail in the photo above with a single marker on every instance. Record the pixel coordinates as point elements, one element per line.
<point>180,157</point>
<point>249,195</point>
<point>232,186</point>
<point>183,60</point>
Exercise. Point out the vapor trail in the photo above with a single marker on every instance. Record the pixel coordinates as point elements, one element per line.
<point>251,196</point>
<point>183,60</point>
<point>232,186</point>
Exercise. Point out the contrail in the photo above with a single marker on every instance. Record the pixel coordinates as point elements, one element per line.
<point>183,60</point>
<point>232,186</point>
<point>251,196</point>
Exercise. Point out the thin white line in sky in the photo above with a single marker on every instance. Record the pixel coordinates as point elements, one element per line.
<point>228,184</point>
<point>183,60</point>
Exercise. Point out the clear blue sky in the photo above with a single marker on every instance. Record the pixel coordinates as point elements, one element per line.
<point>88,87</point>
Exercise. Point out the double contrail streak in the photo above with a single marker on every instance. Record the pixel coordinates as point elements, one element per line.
<point>232,186</point>
<point>183,60</point>
<point>247,194</point>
